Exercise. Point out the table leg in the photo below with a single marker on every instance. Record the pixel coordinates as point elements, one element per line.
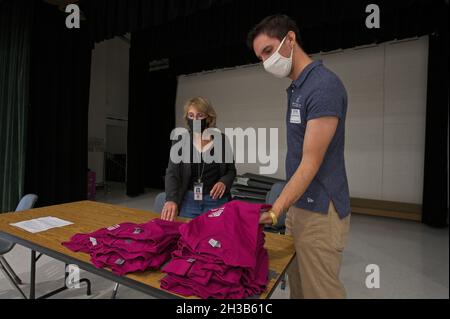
<point>33,275</point>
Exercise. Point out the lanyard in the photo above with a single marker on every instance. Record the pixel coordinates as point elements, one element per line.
<point>200,175</point>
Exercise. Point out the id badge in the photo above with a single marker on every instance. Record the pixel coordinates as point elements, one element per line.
<point>296,117</point>
<point>198,191</point>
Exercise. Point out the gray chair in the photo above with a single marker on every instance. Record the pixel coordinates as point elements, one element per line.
<point>160,200</point>
<point>27,202</point>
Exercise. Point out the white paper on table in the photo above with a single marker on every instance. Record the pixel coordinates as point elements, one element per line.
<point>41,224</point>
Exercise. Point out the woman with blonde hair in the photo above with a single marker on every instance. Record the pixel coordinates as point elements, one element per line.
<point>197,186</point>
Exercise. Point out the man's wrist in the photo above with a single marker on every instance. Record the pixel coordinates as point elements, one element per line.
<point>274,217</point>
<point>277,210</point>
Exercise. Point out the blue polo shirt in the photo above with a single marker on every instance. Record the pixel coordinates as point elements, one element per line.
<point>318,92</point>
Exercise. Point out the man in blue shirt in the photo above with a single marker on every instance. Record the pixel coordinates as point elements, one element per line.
<point>316,196</point>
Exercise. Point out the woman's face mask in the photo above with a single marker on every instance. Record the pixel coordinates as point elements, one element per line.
<point>202,124</point>
<point>277,64</point>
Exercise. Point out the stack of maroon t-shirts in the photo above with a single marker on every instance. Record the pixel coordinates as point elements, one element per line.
<point>220,255</point>
<point>129,247</point>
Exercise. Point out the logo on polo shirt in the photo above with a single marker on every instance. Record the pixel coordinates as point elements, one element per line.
<point>297,104</point>
<point>310,200</point>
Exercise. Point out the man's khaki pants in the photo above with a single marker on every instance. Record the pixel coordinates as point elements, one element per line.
<point>319,242</point>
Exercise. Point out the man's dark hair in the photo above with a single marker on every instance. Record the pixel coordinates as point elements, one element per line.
<point>275,26</point>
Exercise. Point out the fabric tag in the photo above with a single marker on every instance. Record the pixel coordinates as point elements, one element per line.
<point>295,116</point>
<point>214,243</point>
<point>113,227</point>
<point>120,262</point>
<point>93,241</point>
<point>216,212</point>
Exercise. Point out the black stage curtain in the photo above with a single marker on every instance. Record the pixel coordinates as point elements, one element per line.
<point>110,18</point>
<point>183,28</point>
<point>56,157</point>
<point>435,193</point>
<point>151,117</point>
<point>15,42</point>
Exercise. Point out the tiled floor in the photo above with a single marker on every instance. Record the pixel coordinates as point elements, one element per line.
<point>413,259</point>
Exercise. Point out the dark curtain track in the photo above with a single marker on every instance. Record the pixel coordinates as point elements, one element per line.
<point>56,161</point>
<point>117,17</point>
<point>182,28</point>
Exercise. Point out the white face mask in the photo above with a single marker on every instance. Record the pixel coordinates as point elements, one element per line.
<point>277,64</point>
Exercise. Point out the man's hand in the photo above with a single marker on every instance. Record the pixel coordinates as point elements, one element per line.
<point>265,219</point>
<point>218,190</point>
<point>170,211</point>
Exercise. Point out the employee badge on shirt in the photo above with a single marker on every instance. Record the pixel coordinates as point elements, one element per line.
<point>198,191</point>
<point>295,116</point>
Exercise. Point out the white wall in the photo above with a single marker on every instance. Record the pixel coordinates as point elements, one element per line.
<point>385,140</point>
<point>405,120</point>
<point>108,98</point>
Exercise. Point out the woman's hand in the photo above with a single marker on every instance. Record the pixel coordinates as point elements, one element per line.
<point>170,211</point>
<point>218,190</point>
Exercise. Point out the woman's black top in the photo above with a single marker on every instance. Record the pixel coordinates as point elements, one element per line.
<point>208,173</point>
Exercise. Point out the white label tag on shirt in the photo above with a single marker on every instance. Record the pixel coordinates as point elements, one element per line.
<point>216,212</point>
<point>295,116</point>
<point>214,243</point>
<point>93,241</point>
<point>198,191</point>
<point>120,262</point>
<point>113,227</point>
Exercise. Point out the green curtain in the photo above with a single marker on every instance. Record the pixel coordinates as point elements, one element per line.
<point>15,37</point>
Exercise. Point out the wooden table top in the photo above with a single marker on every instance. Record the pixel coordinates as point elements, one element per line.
<point>88,216</point>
